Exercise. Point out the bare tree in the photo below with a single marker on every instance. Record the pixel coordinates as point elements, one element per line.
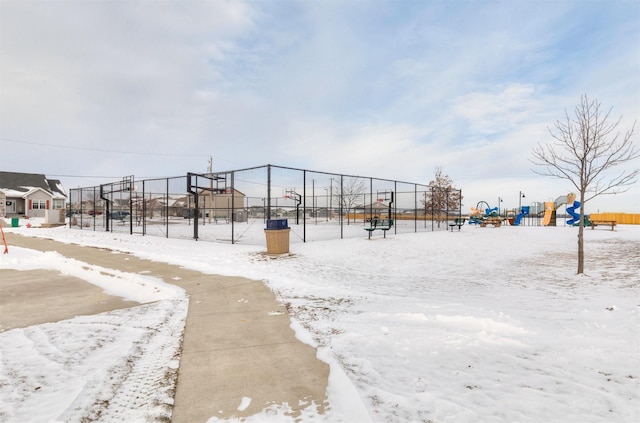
<point>585,148</point>
<point>442,196</point>
<point>349,192</point>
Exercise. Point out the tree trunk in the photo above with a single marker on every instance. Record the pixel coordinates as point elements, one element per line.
<point>581,236</point>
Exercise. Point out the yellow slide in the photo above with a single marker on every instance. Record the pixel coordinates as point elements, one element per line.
<point>548,211</point>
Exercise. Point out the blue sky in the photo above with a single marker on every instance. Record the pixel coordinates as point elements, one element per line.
<point>382,88</point>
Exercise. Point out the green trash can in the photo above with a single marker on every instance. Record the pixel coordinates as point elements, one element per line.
<point>15,222</point>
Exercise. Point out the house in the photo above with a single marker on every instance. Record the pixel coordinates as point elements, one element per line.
<point>29,194</point>
<point>378,208</point>
<point>221,205</point>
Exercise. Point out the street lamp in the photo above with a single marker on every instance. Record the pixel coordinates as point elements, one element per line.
<point>521,196</point>
<point>499,201</point>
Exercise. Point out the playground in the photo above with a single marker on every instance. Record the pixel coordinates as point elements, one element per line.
<point>548,213</point>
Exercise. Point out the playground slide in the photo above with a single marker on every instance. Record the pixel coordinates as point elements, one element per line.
<point>548,212</point>
<point>575,217</point>
<point>523,212</point>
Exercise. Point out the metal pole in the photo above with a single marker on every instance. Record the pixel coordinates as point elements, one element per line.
<point>415,208</point>
<point>144,208</point>
<point>432,227</point>
<point>371,199</point>
<point>233,206</point>
<point>331,196</point>
<point>341,208</point>
<point>268,191</point>
<point>131,186</point>
<point>395,209</point>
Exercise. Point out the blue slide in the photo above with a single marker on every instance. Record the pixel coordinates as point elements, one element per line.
<point>575,216</point>
<point>523,212</point>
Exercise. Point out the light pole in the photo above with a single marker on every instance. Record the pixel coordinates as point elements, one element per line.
<point>520,197</point>
<point>499,201</point>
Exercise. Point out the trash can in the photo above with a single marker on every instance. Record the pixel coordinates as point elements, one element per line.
<point>15,222</point>
<point>277,234</point>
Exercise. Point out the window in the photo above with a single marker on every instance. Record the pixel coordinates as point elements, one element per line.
<point>58,204</point>
<point>39,205</point>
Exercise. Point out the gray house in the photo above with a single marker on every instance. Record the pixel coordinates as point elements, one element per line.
<point>29,194</point>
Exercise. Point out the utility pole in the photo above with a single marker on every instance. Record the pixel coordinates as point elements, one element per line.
<point>210,169</point>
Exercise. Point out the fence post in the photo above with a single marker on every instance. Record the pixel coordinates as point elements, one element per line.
<point>268,192</point>
<point>233,207</point>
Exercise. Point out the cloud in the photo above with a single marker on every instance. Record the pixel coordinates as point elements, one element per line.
<point>488,113</point>
<point>374,88</point>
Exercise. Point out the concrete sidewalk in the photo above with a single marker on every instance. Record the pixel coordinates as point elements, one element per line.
<point>237,341</point>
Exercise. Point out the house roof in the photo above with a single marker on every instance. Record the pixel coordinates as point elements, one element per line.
<point>208,193</point>
<point>21,184</point>
<point>376,206</point>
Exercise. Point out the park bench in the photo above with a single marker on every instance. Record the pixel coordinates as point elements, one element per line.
<point>379,224</point>
<point>224,219</point>
<point>458,221</point>
<point>595,223</point>
<point>126,219</point>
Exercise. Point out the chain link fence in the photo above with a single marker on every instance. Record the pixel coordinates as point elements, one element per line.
<point>233,206</point>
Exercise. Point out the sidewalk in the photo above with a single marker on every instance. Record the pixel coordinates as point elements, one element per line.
<point>237,341</point>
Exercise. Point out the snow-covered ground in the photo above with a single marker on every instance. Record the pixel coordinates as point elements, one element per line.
<point>481,325</point>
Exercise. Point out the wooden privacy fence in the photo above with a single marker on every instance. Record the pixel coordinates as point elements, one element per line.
<point>619,218</point>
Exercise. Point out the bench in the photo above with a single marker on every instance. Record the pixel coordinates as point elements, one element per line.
<point>225,219</point>
<point>379,224</point>
<point>595,223</point>
<point>458,221</point>
<point>126,219</point>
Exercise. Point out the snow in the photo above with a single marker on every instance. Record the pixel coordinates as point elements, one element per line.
<point>129,286</point>
<point>485,324</point>
<point>14,193</point>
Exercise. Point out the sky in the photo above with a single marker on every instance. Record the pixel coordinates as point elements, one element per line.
<point>94,91</point>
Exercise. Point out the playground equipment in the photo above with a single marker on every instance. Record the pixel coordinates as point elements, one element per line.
<point>484,216</point>
<point>549,212</point>
<point>575,217</point>
<point>524,211</point>
<point>550,209</point>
